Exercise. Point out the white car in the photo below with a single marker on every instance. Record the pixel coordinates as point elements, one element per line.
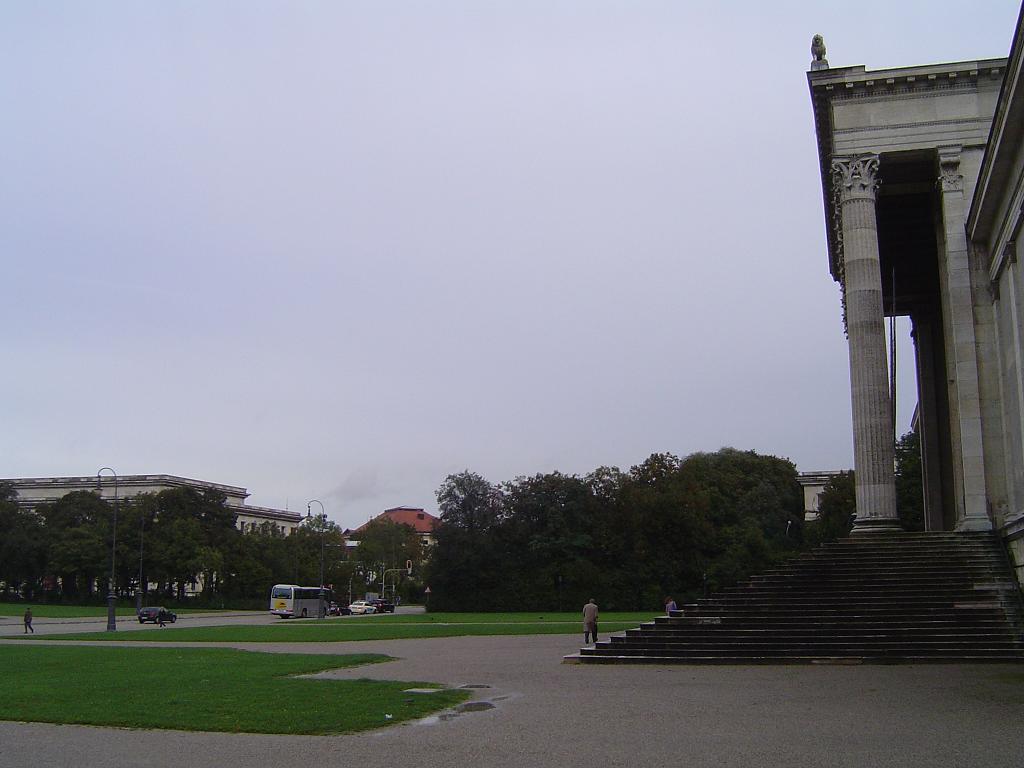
<point>361,607</point>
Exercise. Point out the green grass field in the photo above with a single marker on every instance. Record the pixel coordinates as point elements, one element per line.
<point>390,627</point>
<point>43,611</point>
<point>204,689</point>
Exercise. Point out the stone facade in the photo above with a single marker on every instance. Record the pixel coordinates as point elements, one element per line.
<point>921,169</point>
<point>39,490</point>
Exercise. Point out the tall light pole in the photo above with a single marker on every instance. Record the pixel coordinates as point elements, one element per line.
<point>138,589</point>
<point>323,524</point>
<point>111,597</point>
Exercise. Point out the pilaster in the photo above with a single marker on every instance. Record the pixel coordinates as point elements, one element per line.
<point>962,353</point>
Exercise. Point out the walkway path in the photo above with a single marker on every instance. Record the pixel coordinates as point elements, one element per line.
<point>568,716</point>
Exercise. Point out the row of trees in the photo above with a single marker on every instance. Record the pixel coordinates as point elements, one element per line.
<point>668,526</point>
<point>179,540</point>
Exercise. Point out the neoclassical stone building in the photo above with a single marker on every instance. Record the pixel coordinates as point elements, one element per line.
<point>33,491</point>
<point>922,170</point>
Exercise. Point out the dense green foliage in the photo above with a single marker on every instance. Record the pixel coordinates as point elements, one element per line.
<point>837,506</point>
<point>205,689</point>
<point>909,485</point>
<point>668,526</point>
<point>181,540</point>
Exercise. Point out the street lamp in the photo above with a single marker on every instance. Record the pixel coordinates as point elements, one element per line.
<point>323,524</point>
<point>138,589</point>
<point>111,597</point>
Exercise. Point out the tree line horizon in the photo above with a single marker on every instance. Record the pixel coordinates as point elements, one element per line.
<point>669,526</point>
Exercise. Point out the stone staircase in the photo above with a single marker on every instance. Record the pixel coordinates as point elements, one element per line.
<point>879,598</point>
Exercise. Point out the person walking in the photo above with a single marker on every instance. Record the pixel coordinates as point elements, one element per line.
<point>589,621</point>
<point>28,621</point>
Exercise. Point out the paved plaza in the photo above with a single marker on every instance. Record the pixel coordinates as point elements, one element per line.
<point>546,713</point>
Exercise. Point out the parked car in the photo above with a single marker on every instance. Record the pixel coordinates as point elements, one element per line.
<point>360,607</point>
<point>156,614</point>
<point>383,606</point>
<point>338,610</point>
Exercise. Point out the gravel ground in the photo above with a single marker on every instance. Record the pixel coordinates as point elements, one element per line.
<point>531,710</point>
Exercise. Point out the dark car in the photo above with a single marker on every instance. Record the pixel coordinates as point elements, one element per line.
<point>338,610</point>
<point>156,614</point>
<point>382,606</point>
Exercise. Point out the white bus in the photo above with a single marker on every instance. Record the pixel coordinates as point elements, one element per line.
<point>290,600</point>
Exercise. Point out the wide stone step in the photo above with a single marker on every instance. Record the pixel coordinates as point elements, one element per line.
<point>946,596</point>
<point>834,623</point>
<point>892,598</point>
<point>864,608</point>
<point>807,638</point>
<point>954,658</point>
<point>953,653</point>
<point>846,636</point>
<point>935,570</point>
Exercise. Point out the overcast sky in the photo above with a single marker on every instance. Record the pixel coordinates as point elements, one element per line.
<point>339,250</point>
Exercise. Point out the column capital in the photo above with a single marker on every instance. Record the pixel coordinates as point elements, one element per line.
<point>855,176</point>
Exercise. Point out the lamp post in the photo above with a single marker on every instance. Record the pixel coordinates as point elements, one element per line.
<point>111,597</point>
<point>323,524</point>
<point>394,586</point>
<point>138,589</point>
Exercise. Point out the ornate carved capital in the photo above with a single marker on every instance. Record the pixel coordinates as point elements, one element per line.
<point>855,176</point>
<point>950,178</point>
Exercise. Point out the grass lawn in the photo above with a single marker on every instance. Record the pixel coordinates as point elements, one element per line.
<point>44,611</point>
<point>388,627</point>
<point>204,689</point>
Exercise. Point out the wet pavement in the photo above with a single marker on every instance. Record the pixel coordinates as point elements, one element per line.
<point>529,709</point>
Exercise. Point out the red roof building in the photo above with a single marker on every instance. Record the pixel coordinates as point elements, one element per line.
<point>415,517</point>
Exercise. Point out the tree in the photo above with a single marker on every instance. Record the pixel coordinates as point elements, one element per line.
<point>909,483</point>
<point>388,544</point>
<point>78,528</point>
<point>22,545</point>
<point>465,570</point>
<point>467,501</point>
<point>547,533</point>
<point>837,506</point>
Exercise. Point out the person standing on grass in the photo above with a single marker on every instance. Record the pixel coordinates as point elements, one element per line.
<point>28,621</point>
<point>589,621</point>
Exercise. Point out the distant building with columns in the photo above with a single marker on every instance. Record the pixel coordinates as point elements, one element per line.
<point>813,484</point>
<point>922,170</point>
<point>33,491</point>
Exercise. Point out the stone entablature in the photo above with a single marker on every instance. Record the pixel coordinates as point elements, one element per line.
<point>859,111</point>
<point>33,491</point>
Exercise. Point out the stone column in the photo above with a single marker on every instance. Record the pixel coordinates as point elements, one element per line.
<point>854,182</point>
<point>962,353</point>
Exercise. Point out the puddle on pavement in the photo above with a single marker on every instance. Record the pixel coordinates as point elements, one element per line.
<point>464,708</point>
